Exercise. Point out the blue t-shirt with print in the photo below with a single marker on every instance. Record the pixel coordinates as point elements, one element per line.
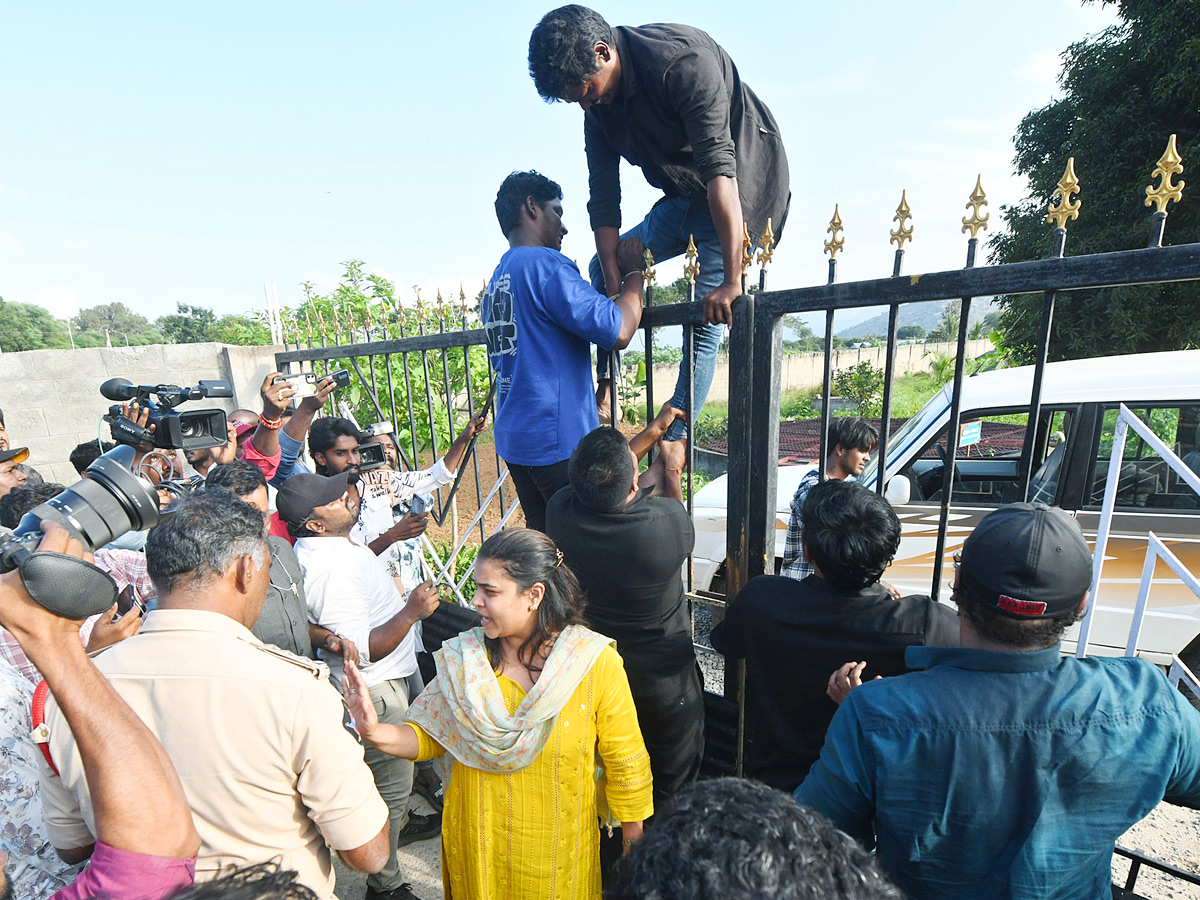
<point>541,319</point>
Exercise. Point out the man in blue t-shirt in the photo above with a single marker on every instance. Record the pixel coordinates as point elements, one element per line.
<point>541,318</point>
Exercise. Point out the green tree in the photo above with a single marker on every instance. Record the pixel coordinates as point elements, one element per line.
<point>910,332</point>
<point>1125,91</point>
<point>25,326</point>
<point>947,326</point>
<point>365,307</point>
<point>188,325</point>
<point>115,323</point>
<point>246,331</point>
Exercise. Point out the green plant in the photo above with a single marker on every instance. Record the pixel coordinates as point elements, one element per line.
<point>863,384</point>
<point>941,367</point>
<point>365,307</point>
<point>631,381</point>
<point>462,563</point>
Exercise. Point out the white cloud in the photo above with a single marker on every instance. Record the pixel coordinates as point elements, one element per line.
<point>12,191</point>
<point>8,241</point>
<point>62,301</point>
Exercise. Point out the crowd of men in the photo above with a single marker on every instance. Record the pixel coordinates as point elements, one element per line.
<point>894,745</point>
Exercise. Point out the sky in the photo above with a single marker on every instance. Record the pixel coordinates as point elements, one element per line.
<point>163,153</point>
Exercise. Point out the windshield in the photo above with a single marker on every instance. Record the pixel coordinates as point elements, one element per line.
<point>913,431</point>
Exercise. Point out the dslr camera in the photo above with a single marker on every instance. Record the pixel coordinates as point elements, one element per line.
<point>193,430</point>
<point>109,501</point>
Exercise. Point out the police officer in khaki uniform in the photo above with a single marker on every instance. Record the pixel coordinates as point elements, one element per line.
<point>262,743</point>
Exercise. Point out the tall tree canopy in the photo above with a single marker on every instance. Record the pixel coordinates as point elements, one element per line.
<point>24,326</point>
<point>1125,91</point>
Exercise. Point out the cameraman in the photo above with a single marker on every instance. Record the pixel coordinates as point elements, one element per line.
<point>383,497</point>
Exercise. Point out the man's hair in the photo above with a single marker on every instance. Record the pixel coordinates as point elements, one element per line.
<point>850,533</point>
<point>87,453</point>
<point>513,191</point>
<point>204,533</point>
<point>734,839</point>
<point>325,432</point>
<point>601,470</point>
<point>991,624</point>
<point>21,500</point>
<point>239,477</point>
<point>265,881</point>
<point>2,425</point>
<point>853,433</point>
<point>562,49</point>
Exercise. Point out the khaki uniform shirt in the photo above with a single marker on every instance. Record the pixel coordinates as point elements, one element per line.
<point>260,740</point>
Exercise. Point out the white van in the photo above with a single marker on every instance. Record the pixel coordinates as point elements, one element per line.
<point>1079,403</point>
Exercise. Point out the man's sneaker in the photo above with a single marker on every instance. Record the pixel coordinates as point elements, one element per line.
<point>404,892</point>
<point>428,786</point>
<point>419,828</point>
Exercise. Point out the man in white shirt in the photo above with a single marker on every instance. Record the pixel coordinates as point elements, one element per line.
<point>383,496</point>
<point>349,593</point>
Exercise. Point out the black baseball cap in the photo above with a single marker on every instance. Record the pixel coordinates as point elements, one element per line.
<point>1027,561</point>
<point>303,493</point>
<point>20,454</point>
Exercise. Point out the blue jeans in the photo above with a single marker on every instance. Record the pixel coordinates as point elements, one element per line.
<point>665,231</point>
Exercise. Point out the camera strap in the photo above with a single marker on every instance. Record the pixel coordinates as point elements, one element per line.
<point>41,734</point>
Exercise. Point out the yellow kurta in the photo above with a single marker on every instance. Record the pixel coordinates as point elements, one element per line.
<point>533,834</point>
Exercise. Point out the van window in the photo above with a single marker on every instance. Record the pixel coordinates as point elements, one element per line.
<point>1146,481</point>
<point>987,463</point>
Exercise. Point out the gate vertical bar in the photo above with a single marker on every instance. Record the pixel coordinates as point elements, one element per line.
<point>764,430</point>
<point>835,243</point>
<point>737,563</point>
<point>1059,214</point>
<point>978,200</point>
<point>898,237</point>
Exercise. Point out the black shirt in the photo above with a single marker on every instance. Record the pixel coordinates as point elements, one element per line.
<point>683,116</point>
<point>629,562</point>
<point>793,636</point>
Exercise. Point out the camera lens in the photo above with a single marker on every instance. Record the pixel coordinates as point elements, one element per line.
<point>110,501</point>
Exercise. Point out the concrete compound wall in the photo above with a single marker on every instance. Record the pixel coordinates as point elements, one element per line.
<point>804,371</point>
<point>51,398</point>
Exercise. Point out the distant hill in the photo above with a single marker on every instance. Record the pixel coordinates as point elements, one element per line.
<point>927,315</point>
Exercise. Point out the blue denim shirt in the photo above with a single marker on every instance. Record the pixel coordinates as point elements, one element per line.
<point>1004,775</point>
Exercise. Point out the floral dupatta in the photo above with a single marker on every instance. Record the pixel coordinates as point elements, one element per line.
<point>463,708</point>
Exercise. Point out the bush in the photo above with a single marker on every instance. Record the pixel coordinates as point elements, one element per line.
<point>864,385</point>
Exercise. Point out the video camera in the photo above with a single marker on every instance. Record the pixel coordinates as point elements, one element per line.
<point>195,430</point>
<point>110,501</point>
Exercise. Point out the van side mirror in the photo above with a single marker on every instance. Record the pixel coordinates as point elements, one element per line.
<point>898,491</point>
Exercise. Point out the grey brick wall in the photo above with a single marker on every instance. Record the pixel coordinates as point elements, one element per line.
<point>51,398</point>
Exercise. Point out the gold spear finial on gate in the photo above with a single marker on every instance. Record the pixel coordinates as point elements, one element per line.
<point>903,212</point>
<point>766,245</point>
<point>648,266</point>
<point>976,202</point>
<point>835,243</point>
<point>747,256</point>
<point>692,269</point>
<point>1065,209</point>
<point>1169,164</point>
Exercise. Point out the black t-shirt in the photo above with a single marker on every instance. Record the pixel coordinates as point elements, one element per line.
<point>793,636</point>
<point>629,562</point>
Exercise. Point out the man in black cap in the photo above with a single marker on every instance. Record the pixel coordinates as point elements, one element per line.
<point>349,593</point>
<point>1005,769</point>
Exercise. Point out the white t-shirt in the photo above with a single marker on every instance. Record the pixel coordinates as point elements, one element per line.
<point>349,593</point>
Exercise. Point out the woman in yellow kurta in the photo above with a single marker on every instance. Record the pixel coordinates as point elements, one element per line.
<point>528,705</point>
